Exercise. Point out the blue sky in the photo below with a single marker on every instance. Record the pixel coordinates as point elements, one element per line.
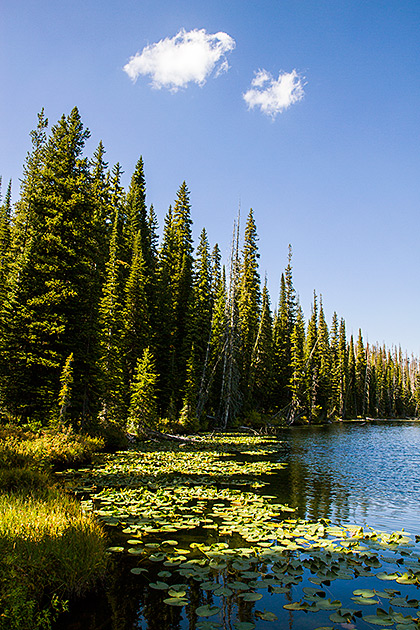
<point>336,174</point>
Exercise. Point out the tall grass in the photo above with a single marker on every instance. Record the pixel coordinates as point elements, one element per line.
<point>45,449</point>
<point>49,550</point>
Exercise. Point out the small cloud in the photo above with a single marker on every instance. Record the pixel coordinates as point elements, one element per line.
<point>273,96</point>
<point>189,57</point>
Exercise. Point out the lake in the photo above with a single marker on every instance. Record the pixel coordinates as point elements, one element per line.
<point>355,472</point>
<point>338,476</point>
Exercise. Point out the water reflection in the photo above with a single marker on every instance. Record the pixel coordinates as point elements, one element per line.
<point>353,472</point>
<point>367,474</point>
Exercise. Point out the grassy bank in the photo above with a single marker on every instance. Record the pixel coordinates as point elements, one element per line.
<point>49,549</point>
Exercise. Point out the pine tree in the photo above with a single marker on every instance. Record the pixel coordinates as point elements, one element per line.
<point>141,225</point>
<point>283,326</point>
<point>312,360</point>
<point>297,382</point>
<point>261,372</point>
<point>175,302</point>
<point>102,209</point>
<point>163,338</point>
<point>136,330</point>
<point>360,376</point>
<point>47,309</point>
<point>5,241</point>
<point>210,391</point>
<point>188,416</point>
<point>182,291</point>
<point>351,404</point>
<point>136,213</point>
<point>324,393</point>
<point>343,369</point>
<point>230,400</point>
<point>143,408</point>
<point>249,301</point>
<point>111,360</point>
<point>335,367</point>
<point>66,381</point>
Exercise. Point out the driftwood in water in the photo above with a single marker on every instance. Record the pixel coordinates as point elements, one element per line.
<point>158,436</point>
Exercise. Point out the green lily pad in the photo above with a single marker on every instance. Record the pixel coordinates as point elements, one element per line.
<point>378,621</point>
<point>160,586</point>
<point>223,591</point>
<point>177,593</point>
<point>296,606</point>
<point>250,597</point>
<point>387,576</point>
<point>364,592</point>
<point>176,601</point>
<point>266,615</point>
<point>365,601</point>
<point>207,611</point>
<point>138,570</point>
<point>244,625</point>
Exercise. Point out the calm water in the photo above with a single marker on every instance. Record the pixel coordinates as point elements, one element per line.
<point>359,473</point>
<point>364,473</point>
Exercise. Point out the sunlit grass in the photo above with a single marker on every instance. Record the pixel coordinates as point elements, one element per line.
<point>51,447</point>
<point>49,549</point>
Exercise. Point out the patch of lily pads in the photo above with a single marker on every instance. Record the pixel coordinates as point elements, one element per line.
<point>196,515</point>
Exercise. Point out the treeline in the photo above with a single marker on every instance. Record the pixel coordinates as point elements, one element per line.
<point>102,322</point>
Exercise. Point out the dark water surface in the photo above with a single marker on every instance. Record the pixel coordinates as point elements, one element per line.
<point>366,473</point>
<point>351,473</point>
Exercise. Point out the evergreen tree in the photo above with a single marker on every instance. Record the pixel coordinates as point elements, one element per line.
<point>102,209</point>
<point>249,300</point>
<point>211,387</point>
<point>5,241</point>
<point>175,302</point>
<point>188,415</point>
<point>202,297</point>
<point>297,383</point>
<point>324,394</point>
<point>343,354</point>
<point>350,402</point>
<point>136,213</point>
<point>163,339</point>
<point>360,376</point>
<point>111,361</point>
<point>283,326</point>
<point>143,409</point>
<point>230,393</point>
<point>312,360</point>
<point>182,291</point>
<point>261,373</point>
<point>136,330</point>
<point>46,313</point>
<point>66,381</point>
<point>335,367</point>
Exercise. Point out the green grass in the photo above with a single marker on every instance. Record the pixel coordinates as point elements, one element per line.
<point>46,449</point>
<point>49,550</point>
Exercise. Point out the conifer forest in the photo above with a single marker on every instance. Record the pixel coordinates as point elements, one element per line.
<point>103,321</point>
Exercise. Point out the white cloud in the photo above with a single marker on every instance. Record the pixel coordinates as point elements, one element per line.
<point>273,96</point>
<point>189,57</point>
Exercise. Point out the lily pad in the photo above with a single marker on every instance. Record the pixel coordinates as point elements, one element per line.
<point>207,611</point>
<point>175,601</point>
<point>250,597</point>
<point>138,570</point>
